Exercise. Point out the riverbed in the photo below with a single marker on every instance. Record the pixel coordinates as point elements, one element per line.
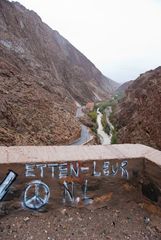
<point>85,131</point>
<point>104,137</point>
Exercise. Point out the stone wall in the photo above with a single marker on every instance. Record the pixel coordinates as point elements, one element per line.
<point>38,177</point>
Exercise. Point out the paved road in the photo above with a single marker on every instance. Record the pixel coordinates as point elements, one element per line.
<point>79,112</point>
<point>85,134</point>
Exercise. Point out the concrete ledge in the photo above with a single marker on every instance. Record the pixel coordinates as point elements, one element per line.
<point>24,154</point>
<point>76,175</point>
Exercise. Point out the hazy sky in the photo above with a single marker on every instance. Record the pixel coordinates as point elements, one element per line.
<point>121,37</point>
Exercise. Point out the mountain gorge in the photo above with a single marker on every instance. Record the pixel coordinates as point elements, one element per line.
<point>138,115</point>
<point>42,76</point>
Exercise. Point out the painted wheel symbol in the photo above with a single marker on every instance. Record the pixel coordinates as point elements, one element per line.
<point>36,195</point>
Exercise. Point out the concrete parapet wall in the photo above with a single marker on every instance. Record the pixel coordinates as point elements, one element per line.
<point>35,177</point>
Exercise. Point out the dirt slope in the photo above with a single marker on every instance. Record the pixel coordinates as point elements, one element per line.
<point>138,116</point>
<point>41,76</point>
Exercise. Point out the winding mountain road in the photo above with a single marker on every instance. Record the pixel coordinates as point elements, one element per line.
<point>85,136</point>
<point>85,133</point>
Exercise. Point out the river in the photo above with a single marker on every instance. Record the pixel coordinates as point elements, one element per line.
<point>104,137</point>
<point>85,131</point>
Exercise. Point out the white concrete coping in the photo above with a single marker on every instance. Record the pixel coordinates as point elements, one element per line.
<point>23,154</point>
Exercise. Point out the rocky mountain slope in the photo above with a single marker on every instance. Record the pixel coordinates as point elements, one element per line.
<point>138,115</point>
<point>41,77</point>
<point>122,88</point>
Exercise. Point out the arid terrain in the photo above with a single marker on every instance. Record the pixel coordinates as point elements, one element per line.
<point>138,115</point>
<point>41,77</point>
<point>129,217</point>
<point>46,86</point>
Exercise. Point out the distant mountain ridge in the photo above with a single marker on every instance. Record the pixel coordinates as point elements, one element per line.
<point>122,88</point>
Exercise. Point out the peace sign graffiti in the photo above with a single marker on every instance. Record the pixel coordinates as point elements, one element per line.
<point>36,195</point>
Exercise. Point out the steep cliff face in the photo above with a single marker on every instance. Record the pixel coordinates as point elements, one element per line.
<point>41,77</point>
<point>138,116</point>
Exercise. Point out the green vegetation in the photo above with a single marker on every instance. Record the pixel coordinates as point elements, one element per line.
<point>106,127</point>
<point>93,116</point>
<point>111,118</point>
<point>94,128</point>
<point>114,137</point>
<point>102,106</point>
<point>119,96</point>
